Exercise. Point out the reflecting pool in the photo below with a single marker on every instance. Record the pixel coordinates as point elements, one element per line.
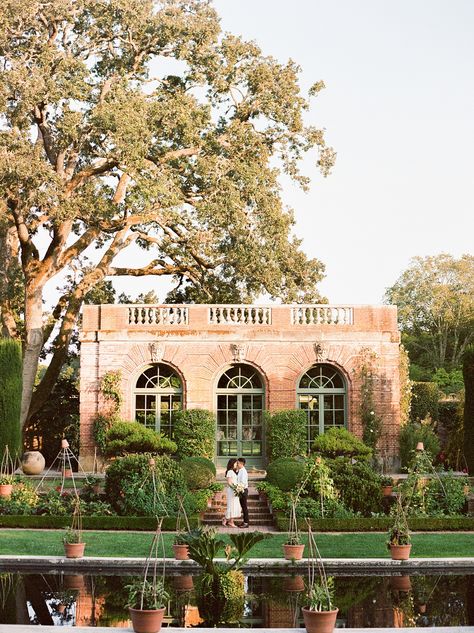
<point>267,601</point>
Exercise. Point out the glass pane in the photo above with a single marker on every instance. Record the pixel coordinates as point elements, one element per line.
<point>257,418</point>
<point>139,402</point>
<point>258,402</point>
<point>222,402</point>
<point>256,449</point>
<point>257,433</point>
<point>339,401</point>
<point>176,402</point>
<point>246,402</point>
<point>165,404</point>
<point>232,402</point>
<point>339,418</point>
<point>246,448</point>
<point>150,401</point>
<point>232,417</point>
<point>247,433</point>
<point>246,418</point>
<point>233,448</point>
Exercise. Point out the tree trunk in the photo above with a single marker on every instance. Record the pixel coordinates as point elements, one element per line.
<point>33,346</point>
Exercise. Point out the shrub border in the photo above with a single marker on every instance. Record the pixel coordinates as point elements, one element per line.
<point>378,524</point>
<point>91,523</point>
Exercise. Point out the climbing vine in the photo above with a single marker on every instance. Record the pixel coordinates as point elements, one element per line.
<point>371,422</point>
<point>112,403</point>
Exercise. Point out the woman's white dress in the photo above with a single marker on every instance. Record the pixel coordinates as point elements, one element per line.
<point>233,509</point>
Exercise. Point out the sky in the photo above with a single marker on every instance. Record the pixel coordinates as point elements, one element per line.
<point>399,110</point>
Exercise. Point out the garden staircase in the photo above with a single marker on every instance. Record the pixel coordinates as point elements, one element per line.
<point>259,512</point>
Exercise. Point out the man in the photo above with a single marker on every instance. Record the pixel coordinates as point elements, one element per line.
<point>243,478</point>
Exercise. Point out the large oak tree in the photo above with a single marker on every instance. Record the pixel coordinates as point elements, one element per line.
<point>138,124</point>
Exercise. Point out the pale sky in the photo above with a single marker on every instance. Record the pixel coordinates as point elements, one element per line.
<point>399,109</point>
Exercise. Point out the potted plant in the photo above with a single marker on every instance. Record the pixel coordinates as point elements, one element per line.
<point>387,485</point>
<point>73,543</point>
<point>146,603</point>
<point>6,474</point>
<point>399,539</point>
<point>319,614</point>
<point>180,546</point>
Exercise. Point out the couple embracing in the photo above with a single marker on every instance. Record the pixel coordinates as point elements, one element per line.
<point>237,491</point>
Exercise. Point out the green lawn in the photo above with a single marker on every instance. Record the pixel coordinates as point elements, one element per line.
<point>128,544</point>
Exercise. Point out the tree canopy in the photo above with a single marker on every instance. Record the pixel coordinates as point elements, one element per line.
<point>139,124</point>
<point>435,299</point>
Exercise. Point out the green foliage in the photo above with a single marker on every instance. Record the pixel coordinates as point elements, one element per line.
<point>10,397</point>
<point>399,532</point>
<point>339,442</point>
<point>358,484</point>
<point>414,432</point>
<point>371,421</point>
<point>23,500</point>
<point>425,397</point>
<point>448,381</point>
<point>123,438</point>
<point>102,424</point>
<point>405,386</point>
<point>147,594</point>
<point>194,433</point>
<point>286,433</point>
<point>286,473</point>
<point>57,418</point>
<point>321,595</point>
<point>468,375</point>
<point>199,472</point>
<point>130,490</point>
<point>445,495</point>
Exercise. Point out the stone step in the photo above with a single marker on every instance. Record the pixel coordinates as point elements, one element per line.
<point>253,522</point>
<point>218,517</point>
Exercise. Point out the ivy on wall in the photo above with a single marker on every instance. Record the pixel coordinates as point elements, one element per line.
<point>371,421</point>
<point>110,390</point>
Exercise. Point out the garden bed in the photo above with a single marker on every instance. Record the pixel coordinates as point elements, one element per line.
<point>92,523</point>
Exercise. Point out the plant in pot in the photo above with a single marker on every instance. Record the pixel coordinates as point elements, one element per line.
<point>399,539</point>
<point>73,544</point>
<point>147,596</point>
<point>180,546</point>
<point>387,485</point>
<point>319,614</point>
<point>293,548</point>
<point>6,474</point>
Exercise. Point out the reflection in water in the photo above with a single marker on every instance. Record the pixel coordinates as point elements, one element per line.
<point>251,601</point>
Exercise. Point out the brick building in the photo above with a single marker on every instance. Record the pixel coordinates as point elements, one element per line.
<point>239,361</point>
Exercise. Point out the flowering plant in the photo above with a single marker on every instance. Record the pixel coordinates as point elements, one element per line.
<point>238,489</point>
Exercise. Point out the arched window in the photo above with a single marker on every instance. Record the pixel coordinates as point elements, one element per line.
<point>240,403</point>
<point>158,395</point>
<point>322,394</point>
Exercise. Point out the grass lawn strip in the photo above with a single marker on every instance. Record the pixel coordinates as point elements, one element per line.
<point>331,545</point>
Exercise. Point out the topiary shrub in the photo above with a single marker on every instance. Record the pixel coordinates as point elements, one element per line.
<point>199,472</point>
<point>129,485</point>
<point>286,433</point>
<point>286,473</point>
<point>338,442</point>
<point>424,400</point>
<point>194,433</point>
<point>411,434</point>
<point>123,438</point>
<point>10,396</point>
<point>468,377</point>
<point>359,486</point>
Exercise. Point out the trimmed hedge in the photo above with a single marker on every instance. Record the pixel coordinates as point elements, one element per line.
<point>468,376</point>
<point>286,473</point>
<point>339,442</point>
<point>286,433</point>
<point>10,397</point>
<point>378,524</point>
<point>424,400</point>
<point>93,523</point>
<point>194,433</point>
<point>198,472</point>
<point>123,438</point>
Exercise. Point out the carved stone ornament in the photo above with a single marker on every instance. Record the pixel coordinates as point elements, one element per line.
<point>238,352</point>
<point>157,351</point>
<point>319,351</point>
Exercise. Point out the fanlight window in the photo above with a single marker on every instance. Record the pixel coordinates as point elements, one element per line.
<point>158,395</point>
<point>240,377</point>
<point>322,394</point>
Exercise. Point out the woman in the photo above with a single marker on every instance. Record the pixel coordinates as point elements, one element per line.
<point>233,503</point>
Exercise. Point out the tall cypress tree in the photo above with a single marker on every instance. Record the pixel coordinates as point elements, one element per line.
<point>468,376</point>
<point>10,396</point>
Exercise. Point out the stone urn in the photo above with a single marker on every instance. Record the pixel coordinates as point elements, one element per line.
<point>32,463</point>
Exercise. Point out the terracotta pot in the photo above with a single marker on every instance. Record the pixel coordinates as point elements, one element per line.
<point>74,581</point>
<point>146,620</point>
<point>400,583</point>
<point>183,583</point>
<point>293,583</point>
<point>32,463</point>
<point>319,621</point>
<point>6,490</point>
<point>67,472</point>
<point>61,608</point>
<point>181,552</point>
<point>387,490</point>
<point>293,552</point>
<point>74,550</point>
<point>400,552</point>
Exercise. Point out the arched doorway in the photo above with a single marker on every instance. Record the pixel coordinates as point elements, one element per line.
<point>158,394</point>
<point>322,394</point>
<point>240,405</point>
